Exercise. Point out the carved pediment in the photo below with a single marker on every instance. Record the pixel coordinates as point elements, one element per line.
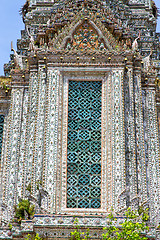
<point>87,33</point>
<point>86,36</point>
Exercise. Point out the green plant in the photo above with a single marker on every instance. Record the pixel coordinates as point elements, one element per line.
<point>111,230</point>
<point>23,208</point>
<point>132,228</point>
<point>77,235</point>
<point>33,238</point>
<point>39,182</point>
<point>28,237</point>
<point>29,187</point>
<point>10,226</point>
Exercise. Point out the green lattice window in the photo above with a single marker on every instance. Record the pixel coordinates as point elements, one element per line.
<point>84,145</point>
<point>1,132</point>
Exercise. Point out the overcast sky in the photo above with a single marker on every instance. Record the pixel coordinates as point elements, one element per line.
<point>11,24</point>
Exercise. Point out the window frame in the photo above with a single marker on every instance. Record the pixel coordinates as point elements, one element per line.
<point>79,76</point>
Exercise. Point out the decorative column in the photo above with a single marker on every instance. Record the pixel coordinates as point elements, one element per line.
<point>50,157</point>
<point>139,138</point>
<point>39,130</point>
<point>4,160</point>
<point>40,124</point>
<point>153,172</point>
<point>2,151</point>
<point>11,154</point>
<point>23,139</point>
<point>130,157</point>
<point>30,144</point>
<point>115,140</point>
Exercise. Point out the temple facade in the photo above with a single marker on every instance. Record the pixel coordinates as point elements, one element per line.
<point>80,116</point>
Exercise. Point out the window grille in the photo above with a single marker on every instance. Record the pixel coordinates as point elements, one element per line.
<point>84,144</point>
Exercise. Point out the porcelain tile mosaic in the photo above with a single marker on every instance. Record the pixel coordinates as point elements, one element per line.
<point>80,102</point>
<point>1,132</point>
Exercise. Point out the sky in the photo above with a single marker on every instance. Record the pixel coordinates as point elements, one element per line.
<point>11,24</point>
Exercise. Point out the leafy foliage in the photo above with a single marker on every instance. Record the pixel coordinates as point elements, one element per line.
<point>39,182</point>
<point>33,238</point>
<point>111,230</point>
<point>77,235</point>
<point>132,228</point>
<point>24,208</point>
<point>29,187</point>
<point>10,226</point>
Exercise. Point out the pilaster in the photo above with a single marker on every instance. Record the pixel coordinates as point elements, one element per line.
<point>10,171</point>
<point>153,155</point>
<point>50,156</point>
<point>32,117</point>
<point>130,157</point>
<point>116,122</point>
<point>23,139</point>
<point>139,138</point>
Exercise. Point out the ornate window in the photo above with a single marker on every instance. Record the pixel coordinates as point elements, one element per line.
<point>1,132</point>
<point>84,144</point>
